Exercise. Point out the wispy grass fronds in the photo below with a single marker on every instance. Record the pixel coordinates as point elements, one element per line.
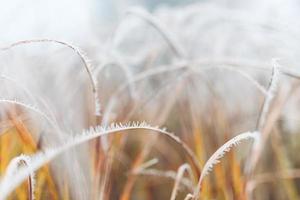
<point>14,166</point>
<point>207,52</point>
<point>215,158</point>
<point>40,159</point>
<point>167,35</point>
<point>75,49</point>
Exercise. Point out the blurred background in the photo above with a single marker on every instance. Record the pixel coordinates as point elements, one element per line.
<point>199,68</point>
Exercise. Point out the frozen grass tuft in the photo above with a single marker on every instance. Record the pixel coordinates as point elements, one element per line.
<point>204,107</point>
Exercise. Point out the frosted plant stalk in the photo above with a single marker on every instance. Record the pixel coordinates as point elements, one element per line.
<point>79,52</point>
<point>41,158</point>
<point>215,158</point>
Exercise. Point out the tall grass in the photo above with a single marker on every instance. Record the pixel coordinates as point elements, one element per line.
<point>205,71</point>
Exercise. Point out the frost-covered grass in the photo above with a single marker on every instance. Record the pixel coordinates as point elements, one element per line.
<point>88,125</point>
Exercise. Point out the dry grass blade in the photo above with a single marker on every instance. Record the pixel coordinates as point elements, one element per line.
<point>40,159</point>
<point>125,68</point>
<point>239,72</point>
<point>188,197</point>
<point>146,165</point>
<point>215,158</point>
<point>270,177</point>
<point>156,63</point>
<point>12,169</point>
<point>18,85</point>
<point>273,87</point>
<point>180,172</point>
<point>172,42</point>
<point>170,174</point>
<point>33,109</point>
<point>79,52</point>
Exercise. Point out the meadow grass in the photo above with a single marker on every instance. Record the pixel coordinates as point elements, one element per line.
<point>78,132</point>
